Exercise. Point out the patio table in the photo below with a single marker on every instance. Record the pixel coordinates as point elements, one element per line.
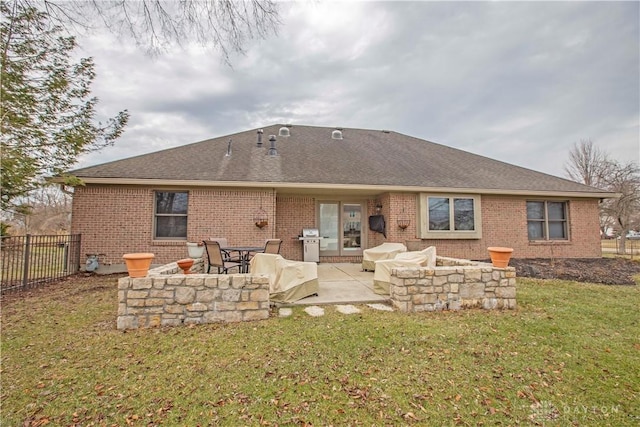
<point>243,252</point>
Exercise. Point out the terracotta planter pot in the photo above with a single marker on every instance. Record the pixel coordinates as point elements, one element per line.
<point>185,265</point>
<point>500,256</point>
<point>138,263</point>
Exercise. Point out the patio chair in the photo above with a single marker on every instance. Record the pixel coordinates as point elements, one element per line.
<point>216,258</point>
<point>228,255</point>
<point>272,246</point>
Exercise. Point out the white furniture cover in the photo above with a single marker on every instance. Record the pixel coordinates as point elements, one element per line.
<point>289,281</point>
<point>378,253</point>
<point>382,275</point>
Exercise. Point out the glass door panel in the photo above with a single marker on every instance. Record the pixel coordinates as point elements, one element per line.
<point>340,228</point>
<point>329,215</point>
<point>351,227</point>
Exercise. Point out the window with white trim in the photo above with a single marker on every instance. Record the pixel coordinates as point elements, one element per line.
<point>170,216</point>
<point>547,220</point>
<point>450,217</point>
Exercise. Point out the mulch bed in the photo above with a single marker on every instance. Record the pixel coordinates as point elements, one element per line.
<point>609,271</point>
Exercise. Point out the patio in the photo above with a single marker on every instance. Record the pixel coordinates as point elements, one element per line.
<point>343,283</point>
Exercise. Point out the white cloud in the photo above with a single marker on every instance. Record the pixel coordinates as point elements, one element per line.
<point>529,78</point>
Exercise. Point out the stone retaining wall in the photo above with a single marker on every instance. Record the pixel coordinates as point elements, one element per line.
<point>165,298</point>
<point>453,284</point>
<point>168,298</point>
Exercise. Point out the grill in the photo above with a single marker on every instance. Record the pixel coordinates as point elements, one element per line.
<point>310,244</point>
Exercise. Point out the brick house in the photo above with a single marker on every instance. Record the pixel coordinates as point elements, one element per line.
<point>334,180</point>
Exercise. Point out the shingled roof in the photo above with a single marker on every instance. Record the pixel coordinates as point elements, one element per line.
<point>311,158</point>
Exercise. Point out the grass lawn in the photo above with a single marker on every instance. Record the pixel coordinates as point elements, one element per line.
<point>570,355</point>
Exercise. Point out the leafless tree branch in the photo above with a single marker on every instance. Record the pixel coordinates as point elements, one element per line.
<point>223,25</point>
<point>589,165</point>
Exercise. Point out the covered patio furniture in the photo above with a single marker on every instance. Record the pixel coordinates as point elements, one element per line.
<point>289,281</point>
<point>216,258</point>
<point>378,253</point>
<point>413,259</point>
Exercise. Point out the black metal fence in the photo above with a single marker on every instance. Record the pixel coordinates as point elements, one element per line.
<point>30,261</point>
<point>614,246</point>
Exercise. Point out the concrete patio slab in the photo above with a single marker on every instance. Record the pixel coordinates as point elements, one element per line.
<point>343,284</point>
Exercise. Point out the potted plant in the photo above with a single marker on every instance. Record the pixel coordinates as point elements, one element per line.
<point>500,256</point>
<point>138,263</point>
<point>195,250</point>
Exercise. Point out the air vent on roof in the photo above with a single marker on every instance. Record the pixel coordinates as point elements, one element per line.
<point>228,149</point>
<point>284,131</point>
<point>260,132</point>
<point>385,131</point>
<point>336,134</point>
<point>272,149</point>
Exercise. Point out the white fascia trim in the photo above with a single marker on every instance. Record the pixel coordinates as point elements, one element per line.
<point>338,187</point>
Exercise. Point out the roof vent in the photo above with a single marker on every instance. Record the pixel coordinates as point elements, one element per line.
<point>260,132</point>
<point>272,149</point>
<point>385,131</point>
<point>336,134</point>
<point>284,131</point>
<point>228,149</point>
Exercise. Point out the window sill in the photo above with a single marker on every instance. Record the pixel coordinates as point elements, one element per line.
<point>549,242</point>
<point>449,235</point>
<point>168,242</point>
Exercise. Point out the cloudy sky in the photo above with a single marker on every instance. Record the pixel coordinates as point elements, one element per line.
<point>517,82</point>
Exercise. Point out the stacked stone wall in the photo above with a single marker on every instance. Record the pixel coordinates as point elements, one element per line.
<point>451,285</point>
<point>177,299</point>
<point>172,268</point>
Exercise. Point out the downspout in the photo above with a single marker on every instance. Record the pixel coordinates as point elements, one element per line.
<point>273,214</point>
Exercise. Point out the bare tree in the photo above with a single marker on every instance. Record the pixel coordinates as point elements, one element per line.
<point>225,25</point>
<point>47,210</point>
<point>587,164</point>
<point>623,179</point>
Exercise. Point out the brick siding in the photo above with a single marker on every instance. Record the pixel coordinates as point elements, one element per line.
<point>114,220</point>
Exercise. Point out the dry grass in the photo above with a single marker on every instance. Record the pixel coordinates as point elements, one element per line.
<point>568,355</point>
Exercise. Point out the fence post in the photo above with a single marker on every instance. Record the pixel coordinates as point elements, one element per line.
<point>25,266</point>
<point>73,253</point>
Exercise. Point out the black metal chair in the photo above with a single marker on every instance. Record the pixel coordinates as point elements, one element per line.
<point>216,258</point>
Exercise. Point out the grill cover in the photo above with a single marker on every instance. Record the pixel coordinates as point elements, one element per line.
<point>376,223</point>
